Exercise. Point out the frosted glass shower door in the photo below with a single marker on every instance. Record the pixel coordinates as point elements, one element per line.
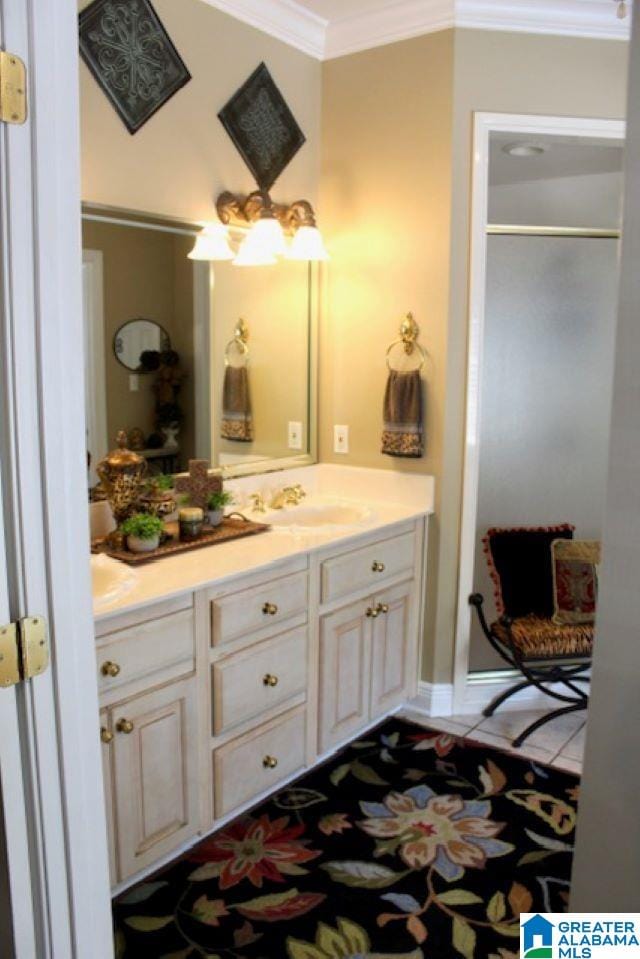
<point>546,382</point>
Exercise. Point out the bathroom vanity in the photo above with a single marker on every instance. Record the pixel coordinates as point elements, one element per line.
<point>225,672</point>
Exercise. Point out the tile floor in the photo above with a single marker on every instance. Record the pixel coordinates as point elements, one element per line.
<point>560,743</point>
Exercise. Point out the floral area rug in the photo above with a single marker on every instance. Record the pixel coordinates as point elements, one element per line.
<point>408,843</point>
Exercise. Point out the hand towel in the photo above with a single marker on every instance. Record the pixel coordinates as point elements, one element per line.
<point>402,433</point>
<point>237,421</point>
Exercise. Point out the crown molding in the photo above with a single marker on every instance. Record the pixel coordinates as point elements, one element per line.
<point>402,19</point>
<point>571,18</point>
<point>284,19</point>
<point>388,24</point>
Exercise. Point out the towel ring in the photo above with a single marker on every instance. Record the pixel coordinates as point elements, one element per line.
<point>409,331</point>
<point>239,340</point>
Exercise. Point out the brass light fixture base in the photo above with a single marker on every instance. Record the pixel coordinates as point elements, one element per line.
<point>235,209</point>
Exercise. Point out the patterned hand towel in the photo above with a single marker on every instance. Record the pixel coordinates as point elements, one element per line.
<point>402,432</point>
<point>237,421</point>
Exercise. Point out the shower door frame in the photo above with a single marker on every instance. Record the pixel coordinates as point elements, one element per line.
<point>485,124</point>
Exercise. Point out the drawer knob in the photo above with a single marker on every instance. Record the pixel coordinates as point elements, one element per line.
<point>382,608</point>
<point>269,609</point>
<point>269,762</point>
<point>106,735</point>
<point>377,567</point>
<point>125,726</point>
<point>110,669</point>
<point>270,680</point>
<point>372,612</point>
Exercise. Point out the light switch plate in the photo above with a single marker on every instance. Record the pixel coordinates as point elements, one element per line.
<point>295,435</point>
<point>340,439</point>
<point>134,382</point>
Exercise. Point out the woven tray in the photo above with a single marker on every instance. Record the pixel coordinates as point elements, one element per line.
<point>211,535</point>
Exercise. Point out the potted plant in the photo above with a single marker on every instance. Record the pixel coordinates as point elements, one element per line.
<point>158,498</point>
<point>143,532</point>
<point>216,504</point>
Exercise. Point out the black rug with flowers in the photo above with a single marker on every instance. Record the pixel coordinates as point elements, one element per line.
<point>408,843</point>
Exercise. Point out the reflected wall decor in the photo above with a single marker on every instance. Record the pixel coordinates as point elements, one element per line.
<point>132,57</point>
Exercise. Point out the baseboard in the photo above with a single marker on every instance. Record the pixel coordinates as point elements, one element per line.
<point>436,699</point>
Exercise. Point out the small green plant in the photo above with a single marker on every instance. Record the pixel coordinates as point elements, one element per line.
<point>162,482</point>
<point>219,500</point>
<point>143,526</point>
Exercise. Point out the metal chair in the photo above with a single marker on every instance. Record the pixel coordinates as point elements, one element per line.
<point>525,635</point>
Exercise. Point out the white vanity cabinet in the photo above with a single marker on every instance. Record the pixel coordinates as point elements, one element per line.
<point>149,733</point>
<point>367,657</point>
<point>213,700</point>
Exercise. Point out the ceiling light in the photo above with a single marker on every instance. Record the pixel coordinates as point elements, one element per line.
<point>212,243</point>
<point>524,149</point>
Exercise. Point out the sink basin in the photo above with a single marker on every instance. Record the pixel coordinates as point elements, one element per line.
<point>110,579</point>
<point>319,515</point>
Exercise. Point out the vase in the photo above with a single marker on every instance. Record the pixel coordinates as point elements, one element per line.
<point>171,437</point>
<point>215,517</point>
<point>137,545</point>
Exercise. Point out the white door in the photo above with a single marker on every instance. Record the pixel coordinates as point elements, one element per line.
<point>53,851</point>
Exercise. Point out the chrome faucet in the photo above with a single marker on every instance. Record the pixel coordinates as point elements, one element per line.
<point>288,496</point>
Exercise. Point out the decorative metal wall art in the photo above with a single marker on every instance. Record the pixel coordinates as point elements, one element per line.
<point>262,127</point>
<point>129,52</point>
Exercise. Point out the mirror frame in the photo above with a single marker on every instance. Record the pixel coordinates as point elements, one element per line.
<point>141,220</point>
<point>137,319</point>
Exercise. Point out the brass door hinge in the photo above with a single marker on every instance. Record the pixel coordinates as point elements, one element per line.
<point>13,88</point>
<point>24,650</point>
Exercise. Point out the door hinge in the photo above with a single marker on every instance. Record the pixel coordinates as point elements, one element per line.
<point>24,650</point>
<point>13,88</point>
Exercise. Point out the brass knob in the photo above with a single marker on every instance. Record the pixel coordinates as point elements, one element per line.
<point>125,726</point>
<point>270,680</point>
<point>269,762</point>
<point>269,609</point>
<point>110,669</point>
<point>377,567</point>
<point>382,608</point>
<point>106,735</point>
<point>372,613</point>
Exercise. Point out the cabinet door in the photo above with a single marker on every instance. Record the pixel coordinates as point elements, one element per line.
<point>345,662</point>
<point>392,631</point>
<point>155,766</point>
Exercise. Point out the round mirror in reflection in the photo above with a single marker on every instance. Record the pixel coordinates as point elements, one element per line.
<point>139,343</point>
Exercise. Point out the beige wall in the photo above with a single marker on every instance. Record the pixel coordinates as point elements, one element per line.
<point>385,206</point>
<point>395,197</point>
<point>182,158</point>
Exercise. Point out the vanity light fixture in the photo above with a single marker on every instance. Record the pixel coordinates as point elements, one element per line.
<point>212,243</point>
<point>271,223</point>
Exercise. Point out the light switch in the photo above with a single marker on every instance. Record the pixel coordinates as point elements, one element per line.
<point>340,439</point>
<point>295,435</point>
<point>134,382</point>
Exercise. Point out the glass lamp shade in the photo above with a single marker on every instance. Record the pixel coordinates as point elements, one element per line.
<point>308,245</point>
<point>263,243</point>
<point>212,243</point>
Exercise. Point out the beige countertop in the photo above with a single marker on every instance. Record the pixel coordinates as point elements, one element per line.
<point>385,503</point>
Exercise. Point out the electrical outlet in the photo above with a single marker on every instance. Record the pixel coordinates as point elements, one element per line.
<point>295,435</point>
<point>134,382</point>
<point>340,439</point>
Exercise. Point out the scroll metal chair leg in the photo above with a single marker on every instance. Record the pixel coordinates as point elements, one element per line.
<point>518,741</point>
<point>499,700</point>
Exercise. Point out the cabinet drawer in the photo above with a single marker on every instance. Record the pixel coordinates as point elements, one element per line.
<point>237,614</point>
<point>259,678</point>
<point>365,567</point>
<point>243,769</point>
<point>159,650</point>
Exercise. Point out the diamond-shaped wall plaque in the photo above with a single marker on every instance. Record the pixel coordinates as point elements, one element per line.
<point>129,52</point>
<point>262,127</point>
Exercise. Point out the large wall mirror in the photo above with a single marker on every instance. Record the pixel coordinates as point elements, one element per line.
<point>193,359</point>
